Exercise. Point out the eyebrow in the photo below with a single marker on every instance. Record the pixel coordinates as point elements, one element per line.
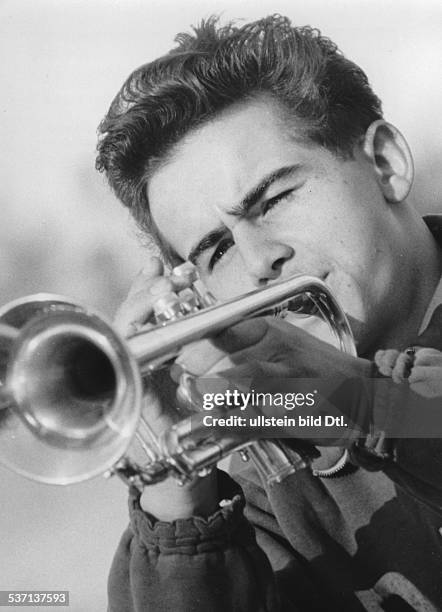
<point>241,209</point>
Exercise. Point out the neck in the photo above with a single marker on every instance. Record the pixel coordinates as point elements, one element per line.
<point>421,273</point>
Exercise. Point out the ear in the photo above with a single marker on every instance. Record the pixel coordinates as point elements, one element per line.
<point>390,155</point>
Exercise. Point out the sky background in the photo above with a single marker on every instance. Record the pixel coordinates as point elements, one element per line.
<point>61,230</point>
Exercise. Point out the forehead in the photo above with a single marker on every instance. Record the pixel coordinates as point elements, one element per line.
<point>213,167</point>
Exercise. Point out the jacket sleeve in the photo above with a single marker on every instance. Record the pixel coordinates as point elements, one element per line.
<point>192,565</point>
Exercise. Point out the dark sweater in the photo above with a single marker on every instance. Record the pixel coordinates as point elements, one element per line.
<point>362,541</point>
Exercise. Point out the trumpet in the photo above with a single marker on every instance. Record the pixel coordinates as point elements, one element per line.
<point>73,393</point>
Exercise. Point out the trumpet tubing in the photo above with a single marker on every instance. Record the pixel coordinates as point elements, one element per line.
<point>73,393</point>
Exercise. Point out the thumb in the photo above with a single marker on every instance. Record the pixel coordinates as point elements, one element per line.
<point>242,335</point>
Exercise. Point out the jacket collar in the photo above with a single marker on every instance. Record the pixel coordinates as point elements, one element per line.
<point>434,223</point>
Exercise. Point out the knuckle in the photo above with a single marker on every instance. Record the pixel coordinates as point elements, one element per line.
<point>417,374</point>
<point>391,356</point>
<point>153,267</point>
<point>428,356</point>
<point>160,285</point>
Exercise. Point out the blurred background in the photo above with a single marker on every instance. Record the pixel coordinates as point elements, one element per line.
<point>62,231</point>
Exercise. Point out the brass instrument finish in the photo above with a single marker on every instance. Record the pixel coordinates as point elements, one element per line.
<point>72,391</point>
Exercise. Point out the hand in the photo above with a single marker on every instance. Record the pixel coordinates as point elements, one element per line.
<point>256,354</point>
<point>426,375</point>
<point>269,347</point>
<point>394,364</point>
<point>422,369</point>
<point>137,311</point>
<point>165,500</point>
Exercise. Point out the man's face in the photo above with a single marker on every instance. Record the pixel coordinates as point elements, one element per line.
<point>251,202</point>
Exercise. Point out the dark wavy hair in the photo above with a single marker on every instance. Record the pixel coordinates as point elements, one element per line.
<point>215,67</point>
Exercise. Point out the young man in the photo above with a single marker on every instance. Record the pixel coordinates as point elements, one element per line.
<point>258,153</point>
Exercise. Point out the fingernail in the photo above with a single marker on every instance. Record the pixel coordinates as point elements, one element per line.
<point>163,285</point>
<point>175,372</point>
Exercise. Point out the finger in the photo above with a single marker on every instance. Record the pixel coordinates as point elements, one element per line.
<point>386,360</point>
<point>426,381</point>
<point>428,357</point>
<point>422,373</point>
<point>378,358</point>
<point>138,307</point>
<point>202,357</point>
<point>133,314</point>
<point>242,335</point>
<point>152,269</point>
<point>240,343</point>
<point>402,367</point>
<point>255,369</point>
<point>148,286</point>
<point>183,276</point>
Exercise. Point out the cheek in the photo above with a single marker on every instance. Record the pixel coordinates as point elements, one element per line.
<point>348,239</point>
<point>228,281</point>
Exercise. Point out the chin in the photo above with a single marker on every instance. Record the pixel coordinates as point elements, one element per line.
<point>361,334</point>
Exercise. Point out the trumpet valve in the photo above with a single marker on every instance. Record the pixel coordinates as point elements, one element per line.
<point>167,308</point>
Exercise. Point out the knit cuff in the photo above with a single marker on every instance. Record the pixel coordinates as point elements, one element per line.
<point>195,534</point>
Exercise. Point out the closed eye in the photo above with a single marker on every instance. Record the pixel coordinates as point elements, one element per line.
<point>272,202</point>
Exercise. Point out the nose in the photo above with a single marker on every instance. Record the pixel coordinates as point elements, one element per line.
<point>263,256</point>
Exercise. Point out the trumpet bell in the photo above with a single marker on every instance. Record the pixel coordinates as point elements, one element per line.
<point>78,392</point>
